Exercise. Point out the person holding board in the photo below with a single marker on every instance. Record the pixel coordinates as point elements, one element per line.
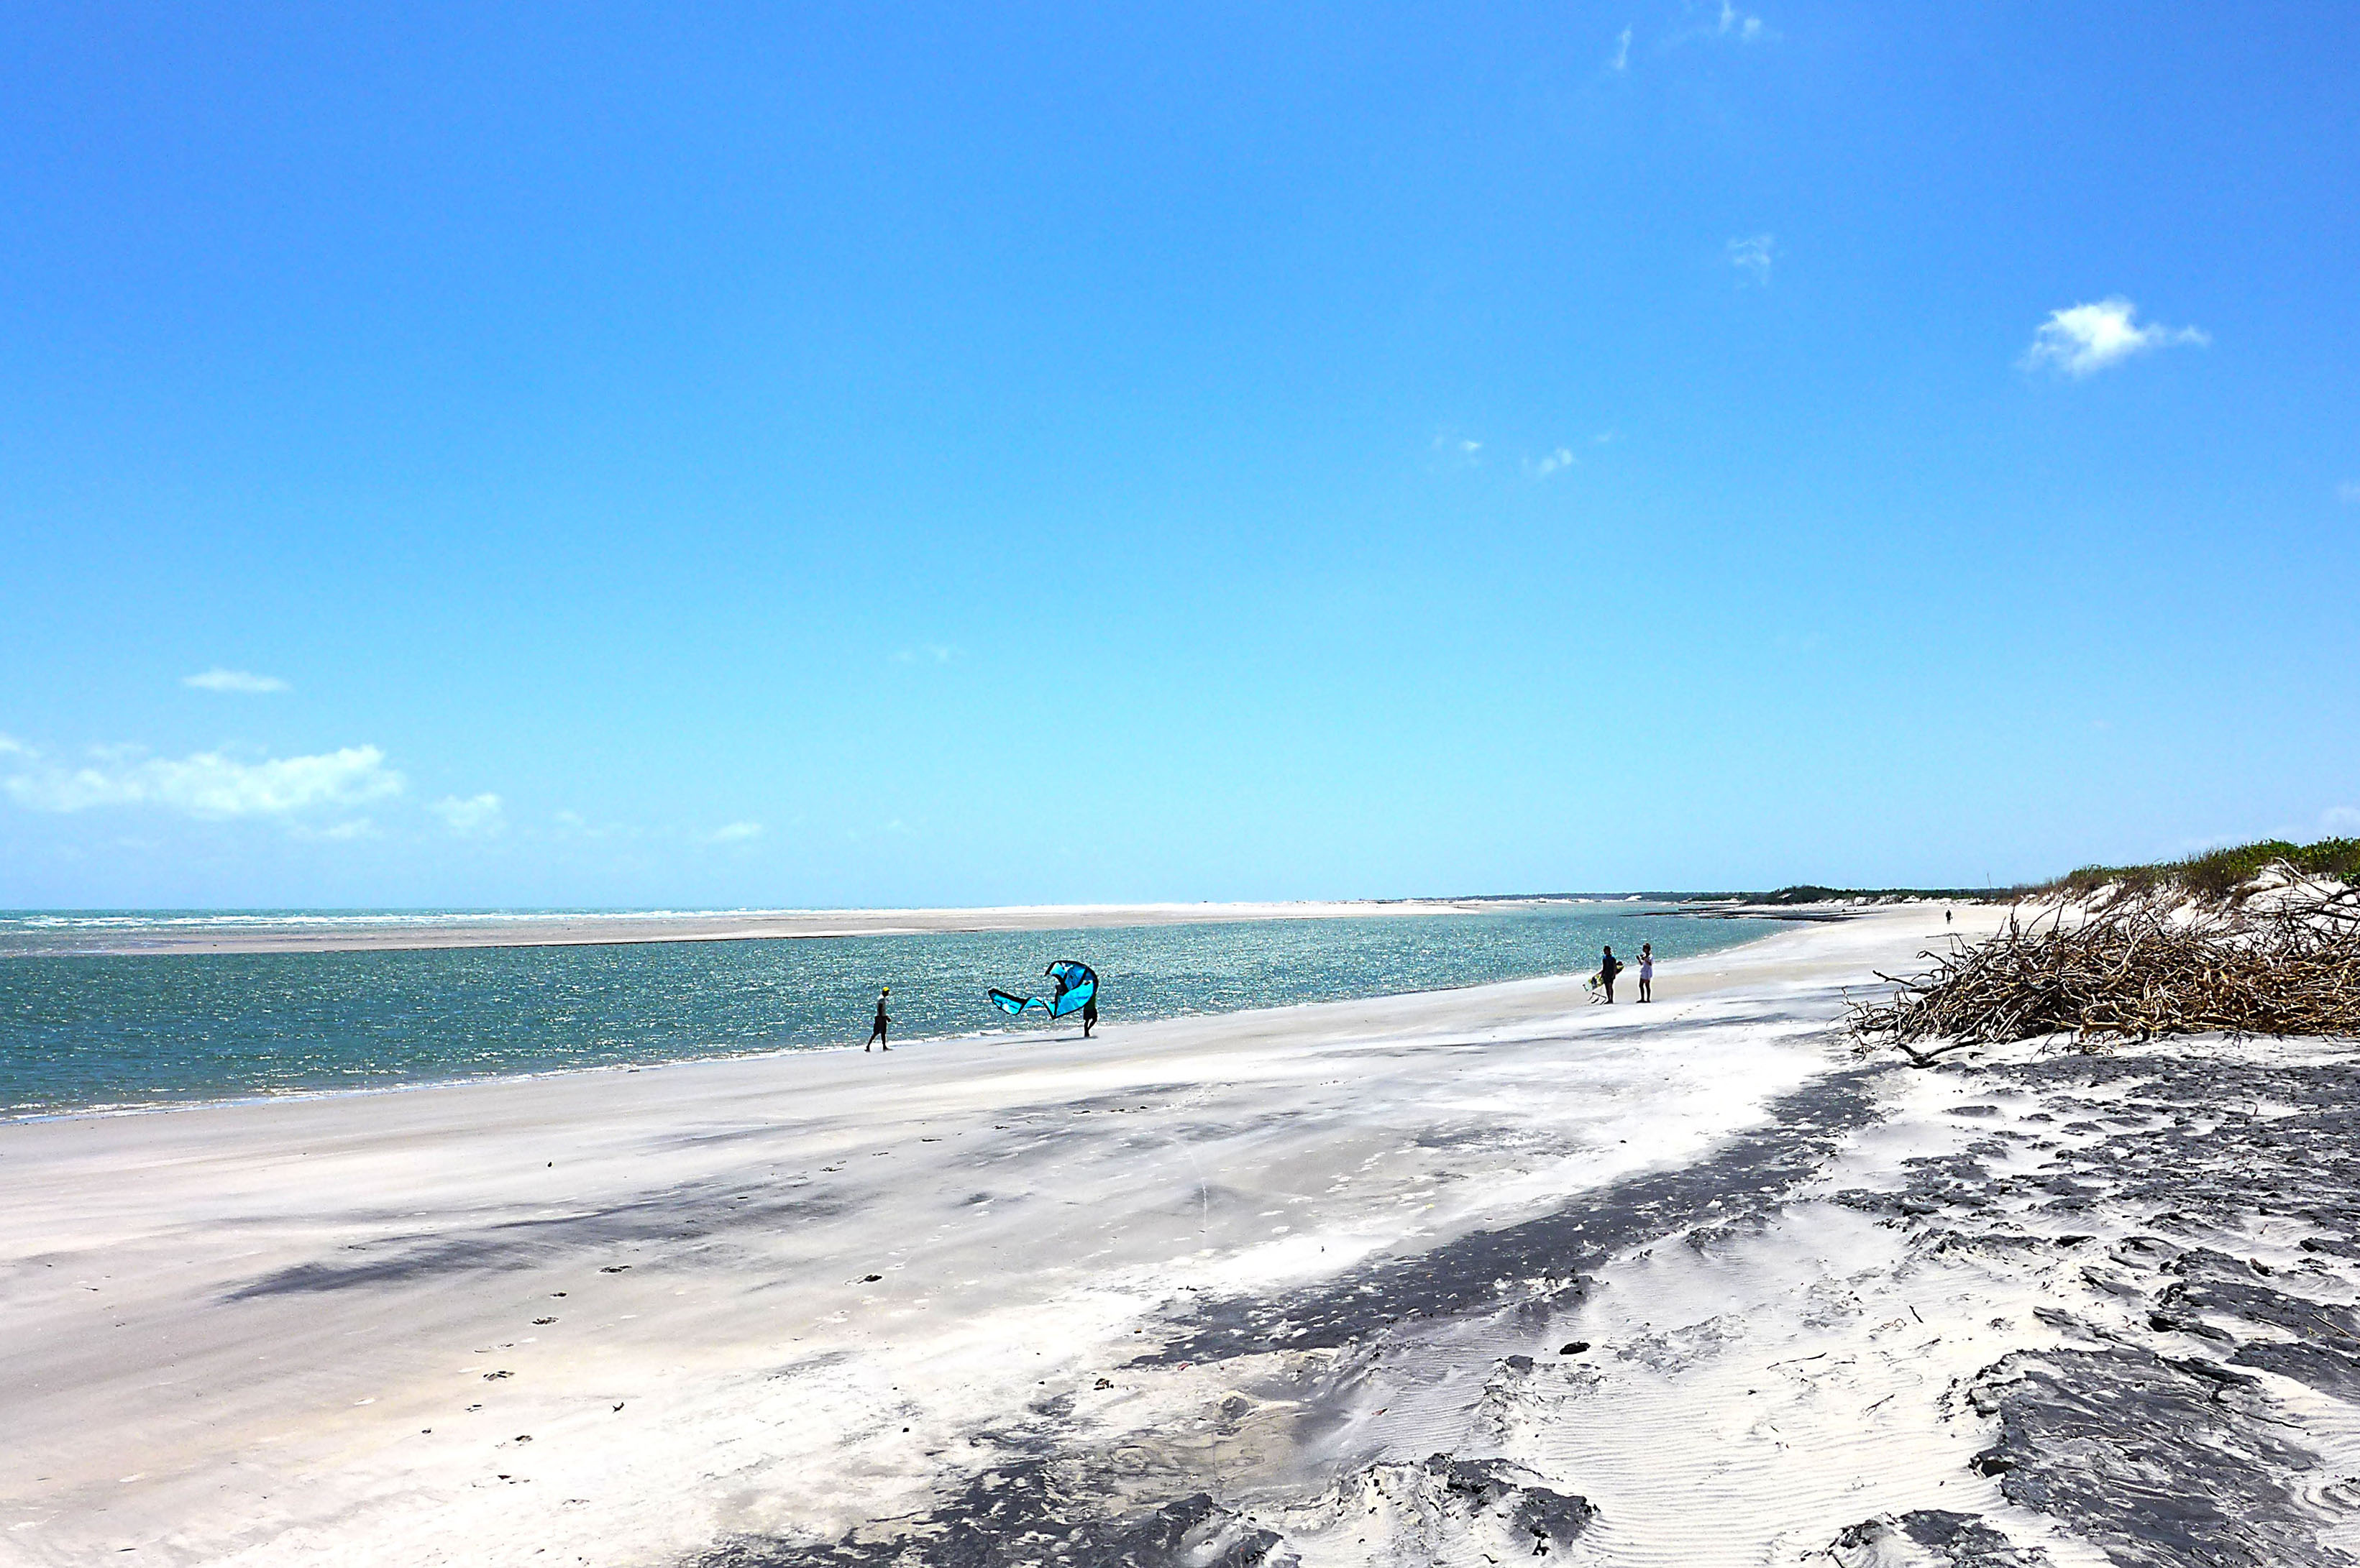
<point>1608,967</point>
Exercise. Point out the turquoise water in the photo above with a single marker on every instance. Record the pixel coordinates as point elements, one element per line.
<point>93,1031</point>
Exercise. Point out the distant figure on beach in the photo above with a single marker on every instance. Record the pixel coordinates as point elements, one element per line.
<point>877,1029</point>
<point>1646,972</point>
<point>1608,967</point>
<point>1089,1015</point>
<point>1946,917</point>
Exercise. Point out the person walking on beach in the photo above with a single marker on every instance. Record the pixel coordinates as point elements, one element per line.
<point>1608,967</point>
<point>1089,1015</point>
<point>877,1029</point>
<point>1646,972</point>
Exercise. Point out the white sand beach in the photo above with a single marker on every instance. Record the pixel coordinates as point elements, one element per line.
<point>1296,1286</point>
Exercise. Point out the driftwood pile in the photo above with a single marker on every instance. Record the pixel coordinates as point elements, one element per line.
<point>2135,968</point>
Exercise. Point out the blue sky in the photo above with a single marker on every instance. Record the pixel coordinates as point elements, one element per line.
<point>591,455</point>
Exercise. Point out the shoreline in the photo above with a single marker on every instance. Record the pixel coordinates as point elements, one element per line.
<point>1372,960</point>
<point>1423,1278</point>
<point>1009,1036</point>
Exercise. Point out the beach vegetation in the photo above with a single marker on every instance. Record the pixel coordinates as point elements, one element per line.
<point>2217,873</point>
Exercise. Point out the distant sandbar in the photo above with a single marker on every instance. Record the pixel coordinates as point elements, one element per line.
<point>364,933</point>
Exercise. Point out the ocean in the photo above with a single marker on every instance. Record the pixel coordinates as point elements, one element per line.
<point>82,1032</point>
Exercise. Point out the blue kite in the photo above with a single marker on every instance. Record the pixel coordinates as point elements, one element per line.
<point>1077,986</point>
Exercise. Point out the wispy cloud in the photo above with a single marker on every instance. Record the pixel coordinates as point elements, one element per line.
<point>1621,60</point>
<point>1752,256</point>
<point>218,679</point>
<point>2086,339</point>
<point>2348,492</point>
<point>1452,450</point>
<point>1550,463</point>
<point>209,784</point>
<point>574,825</point>
<point>925,653</point>
<point>477,816</point>
<point>338,832</point>
<point>1720,23</point>
<point>735,833</point>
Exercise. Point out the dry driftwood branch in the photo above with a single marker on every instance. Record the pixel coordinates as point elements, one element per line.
<point>2134,968</point>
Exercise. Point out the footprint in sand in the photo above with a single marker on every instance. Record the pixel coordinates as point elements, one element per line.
<point>543,1323</point>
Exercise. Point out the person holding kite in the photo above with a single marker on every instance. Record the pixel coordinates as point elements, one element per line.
<point>1077,992</point>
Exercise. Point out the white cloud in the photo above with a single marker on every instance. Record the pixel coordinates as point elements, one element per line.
<point>11,746</point>
<point>208,784</point>
<point>1737,24</point>
<point>2340,819</point>
<point>1551,462</point>
<point>219,680</point>
<point>2348,492</point>
<point>1621,60</point>
<point>735,833</point>
<point>338,832</point>
<point>1454,450</point>
<point>574,825</point>
<point>925,653</point>
<point>477,814</point>
<point>1754,255</point>
<point>2088,338</point>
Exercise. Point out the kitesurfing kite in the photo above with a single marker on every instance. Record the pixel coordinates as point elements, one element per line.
<point>1078,984</point>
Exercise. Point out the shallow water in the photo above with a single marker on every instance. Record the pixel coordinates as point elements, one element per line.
<point>106,1031</point>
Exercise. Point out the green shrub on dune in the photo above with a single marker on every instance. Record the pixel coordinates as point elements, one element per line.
<point>2218,873</point>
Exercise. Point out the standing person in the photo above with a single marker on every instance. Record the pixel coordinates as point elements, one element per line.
<point>1646,972</point>
<point>877,1029</point>
<point>1089,1015</point>
<point>1608,967</point>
